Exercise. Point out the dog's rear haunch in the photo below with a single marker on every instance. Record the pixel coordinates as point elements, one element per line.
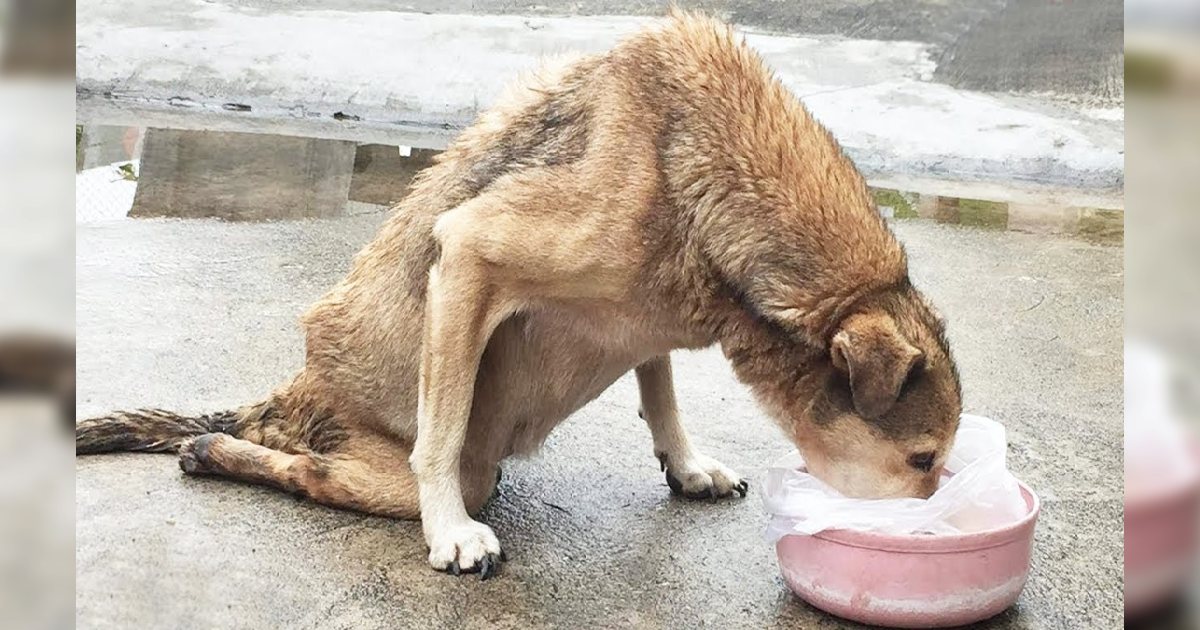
<point>667,194</point>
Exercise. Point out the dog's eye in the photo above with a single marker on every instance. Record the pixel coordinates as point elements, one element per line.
<point>922,461</point>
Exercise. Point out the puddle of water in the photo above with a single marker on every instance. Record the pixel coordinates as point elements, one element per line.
<point>1094,225</point>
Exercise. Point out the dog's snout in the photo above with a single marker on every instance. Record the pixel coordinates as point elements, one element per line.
<point>929,485</point>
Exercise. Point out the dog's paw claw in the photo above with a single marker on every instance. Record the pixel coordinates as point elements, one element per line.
<point>468,548</point>
<point>490,566</point>
<point>485,568</point>
<point>703,478</point>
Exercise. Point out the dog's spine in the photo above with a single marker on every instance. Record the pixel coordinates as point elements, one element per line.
<point>152,430</point>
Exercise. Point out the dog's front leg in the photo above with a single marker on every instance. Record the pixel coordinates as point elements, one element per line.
<point>689,472</point>
<point>461,310</point>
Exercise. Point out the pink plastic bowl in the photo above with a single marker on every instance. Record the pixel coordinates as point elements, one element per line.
<point>1162,525</point>
<point>912,581</point>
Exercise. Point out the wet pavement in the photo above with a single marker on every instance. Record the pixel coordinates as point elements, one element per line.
<point>201,315</point>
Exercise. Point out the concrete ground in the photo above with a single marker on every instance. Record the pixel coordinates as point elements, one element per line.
<point>201,315</point>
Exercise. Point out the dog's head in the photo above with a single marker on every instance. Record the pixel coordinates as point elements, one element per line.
<point>874,410</point>
<point>883,404</point>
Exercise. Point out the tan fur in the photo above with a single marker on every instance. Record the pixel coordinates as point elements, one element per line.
<point>667,194</point>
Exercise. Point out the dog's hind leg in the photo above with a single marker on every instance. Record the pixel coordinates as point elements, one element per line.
<point>336,479</point>
<point>367,473</point>
<point>689,472</point>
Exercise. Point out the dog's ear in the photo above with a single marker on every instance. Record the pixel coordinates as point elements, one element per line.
<point>870,350</point>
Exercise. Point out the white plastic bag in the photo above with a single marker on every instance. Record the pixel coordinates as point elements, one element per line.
<point>980,494</point>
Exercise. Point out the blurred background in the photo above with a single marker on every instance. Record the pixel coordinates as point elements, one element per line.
<point>37,313</point>
<point>1162,78</point>
<point>1163,132</point>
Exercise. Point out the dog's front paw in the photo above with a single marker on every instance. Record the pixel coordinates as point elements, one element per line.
<point>469,547</point>
<point>701,477</point>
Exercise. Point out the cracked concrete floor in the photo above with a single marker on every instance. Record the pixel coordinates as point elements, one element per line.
<point>201,315</point>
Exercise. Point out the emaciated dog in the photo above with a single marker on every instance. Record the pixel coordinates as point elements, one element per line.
<point>668,194</point>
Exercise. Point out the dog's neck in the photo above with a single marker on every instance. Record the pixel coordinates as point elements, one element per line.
<point>789,242</point>
<point>783,367</point>
<point>799,261</point>
<point>780,367</point>
<point>776,275</point>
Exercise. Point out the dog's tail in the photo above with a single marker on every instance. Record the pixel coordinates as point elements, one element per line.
<point>158,431</point>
